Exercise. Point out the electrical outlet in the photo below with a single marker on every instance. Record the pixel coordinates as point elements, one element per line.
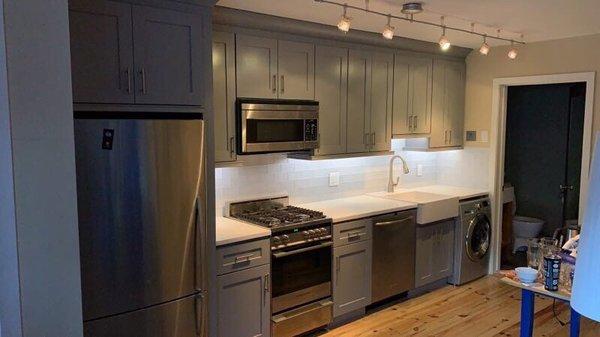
<point>334,179</point>
<point>419,170</point>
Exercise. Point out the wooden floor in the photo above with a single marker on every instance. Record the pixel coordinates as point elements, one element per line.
<point>484,307</point>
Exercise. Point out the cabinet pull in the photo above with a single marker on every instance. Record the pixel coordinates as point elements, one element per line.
<point>445,136</point>
<point>282,84</point>
<point>366,139</point>
<point>274,83</point>
<point>450,137</point>
<point>416,126</point>
<point>337,267</point>
<point>373,139</point>
<point>143,74</point>
<point>128,76</point>
<point>243,258</point>
<point>266,289</point>
<point>231,145</point>
<point>410,123</point>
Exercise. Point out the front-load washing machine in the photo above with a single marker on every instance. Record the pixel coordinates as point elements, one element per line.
<point>473,239</point>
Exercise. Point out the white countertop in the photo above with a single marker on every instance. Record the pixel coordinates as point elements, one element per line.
<point>453,191</point>
<point>231,231</point>
<point>352,208</point>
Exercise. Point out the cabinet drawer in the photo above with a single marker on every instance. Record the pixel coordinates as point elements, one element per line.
<point>352,231</point>
<point>242,256</point>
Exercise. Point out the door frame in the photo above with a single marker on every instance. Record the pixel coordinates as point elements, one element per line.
<point>498,138</point>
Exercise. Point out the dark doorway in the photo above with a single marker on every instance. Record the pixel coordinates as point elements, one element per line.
<point>544,137</point>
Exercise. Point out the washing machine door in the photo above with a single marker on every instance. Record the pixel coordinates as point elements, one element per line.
<point>479,237</point>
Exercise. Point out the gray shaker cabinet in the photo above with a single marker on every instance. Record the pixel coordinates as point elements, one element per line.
<point>370,81</point>
<point>351,277</point>
<point>168,56</point>
<point>296,69</point>
<point>223,58</point>
<point>101,52</point>
<point>434,252</point>
<point>331,83</point>
<point>244,303</point>
<point>448,104</point>
<point>256,62</point>
<point>268,68</point>
<point>412,94</point>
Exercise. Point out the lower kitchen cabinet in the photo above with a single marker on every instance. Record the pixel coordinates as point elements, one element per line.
<point>244,301</point>
<point>434,252</point>
<point>351,277</point>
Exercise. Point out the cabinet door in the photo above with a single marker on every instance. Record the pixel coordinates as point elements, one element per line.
<point>444,250</point>
<point>351,277</point>
<point>424,255</point>
<point>244,301</point>
<point>101,52</point>
<point>447,115</point>
<point>256,67</point>
<point>455,102</point>
<point>168,56</point>
<point>412,94</point>
<point>223,58</point>
<point>382,81</point>
<point>331,84</point>
<point>359,101</point>
<point>296,69</point>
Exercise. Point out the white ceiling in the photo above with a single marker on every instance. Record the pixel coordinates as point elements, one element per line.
<point>538,20</point>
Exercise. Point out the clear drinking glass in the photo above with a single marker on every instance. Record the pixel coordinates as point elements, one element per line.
<point>534,253</point>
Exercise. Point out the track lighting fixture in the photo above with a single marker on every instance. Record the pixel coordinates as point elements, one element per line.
<point>512,53</point>
<point>344,24</point>
<point>388,30</point>
<point>485,48</point>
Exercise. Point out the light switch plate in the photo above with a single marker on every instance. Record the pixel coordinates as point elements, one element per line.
<point>334,179</point>
<point>419,170</point>
<point>483,136</point>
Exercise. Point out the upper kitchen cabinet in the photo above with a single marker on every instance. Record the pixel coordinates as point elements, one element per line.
<point>101,52</point>
<point>448,103</point>
<point>122,53</point>
<point>331,84</point>
<point>256,72</point>
<point>370,81</point>
<point>223,58</point>
<point>296,70</point>
<point>268,68</point>
<point>412,94</point>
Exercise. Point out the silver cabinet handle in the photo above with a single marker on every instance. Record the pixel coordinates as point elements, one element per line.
<point>416,122</point>
<point>394,222</point>
<point>266,289</point>
<point>143,74</point>
<point>243,258</point>
<point>302,250</point>
<point>366,139</point>
<point>450,137</point>
<point>445,136</point>
<point>410,123</point>
<point>231,145</point>
<point>373,139</point>
<point>337,269</point>
<point>274,83</point>
<point>354,235</point>
<point>128,76</point>
<point>282,84</point>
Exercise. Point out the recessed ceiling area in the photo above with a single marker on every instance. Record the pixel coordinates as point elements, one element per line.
<point>538,20</point>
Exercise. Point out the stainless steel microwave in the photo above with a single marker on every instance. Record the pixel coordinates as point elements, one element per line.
<point>265,126</point>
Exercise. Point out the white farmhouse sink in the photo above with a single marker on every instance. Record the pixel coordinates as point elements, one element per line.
<point>430,207</point>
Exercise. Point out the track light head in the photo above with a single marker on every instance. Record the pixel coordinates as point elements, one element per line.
<point>485,48</point>
<point>512,53</point>
<point>344,24</point>
<point>388,30</point>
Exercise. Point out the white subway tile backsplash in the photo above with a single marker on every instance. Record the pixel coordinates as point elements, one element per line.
<point>308,181</point>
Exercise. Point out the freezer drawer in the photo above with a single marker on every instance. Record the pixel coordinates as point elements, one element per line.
<point>173,319</point>
<point>393,254</point>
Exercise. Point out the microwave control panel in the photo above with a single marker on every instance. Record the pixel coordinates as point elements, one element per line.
<point>311,132</point>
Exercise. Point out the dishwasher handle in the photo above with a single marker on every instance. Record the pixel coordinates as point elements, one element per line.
<point>395,222</point>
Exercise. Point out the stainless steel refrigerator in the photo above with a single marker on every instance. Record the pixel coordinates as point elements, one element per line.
<point>141,195</point>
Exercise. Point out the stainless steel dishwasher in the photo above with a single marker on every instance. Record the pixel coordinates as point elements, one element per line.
<point>393,268</point>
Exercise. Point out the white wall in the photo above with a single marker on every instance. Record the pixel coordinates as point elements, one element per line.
<point>44,229</point>
<point>308,181</point>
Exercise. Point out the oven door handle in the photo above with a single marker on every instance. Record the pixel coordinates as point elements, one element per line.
<point>302,250</point>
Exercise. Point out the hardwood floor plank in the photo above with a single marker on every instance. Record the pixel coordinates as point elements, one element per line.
<point>483,308</point>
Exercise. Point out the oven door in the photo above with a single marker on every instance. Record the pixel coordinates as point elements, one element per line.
<point>271,128</point>
<point>301,275</point>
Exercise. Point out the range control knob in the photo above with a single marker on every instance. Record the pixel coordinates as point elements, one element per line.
<point>323,231</point>
<point>276,240</point>
<point>306,234</point>
<point>311,233</point>
<point>285,238</point>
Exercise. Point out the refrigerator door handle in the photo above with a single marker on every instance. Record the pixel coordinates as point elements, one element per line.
<point>200,310</point>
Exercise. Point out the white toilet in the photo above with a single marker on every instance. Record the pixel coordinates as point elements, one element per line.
<point>523,227</point>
